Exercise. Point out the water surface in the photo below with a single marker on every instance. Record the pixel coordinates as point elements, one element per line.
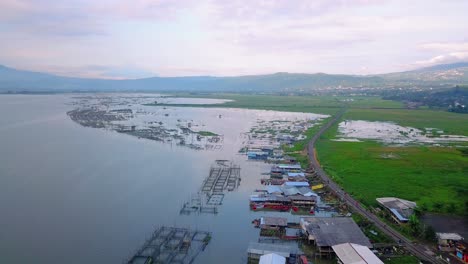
<point>88,195</point>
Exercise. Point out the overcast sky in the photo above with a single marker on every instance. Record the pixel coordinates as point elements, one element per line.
<point>142,38</point>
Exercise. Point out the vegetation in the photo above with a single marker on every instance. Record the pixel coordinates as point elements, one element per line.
<point>450,123</point>
<point>455,99</point>
<point>206,133</point>
<point>373,233</point>
<point>401,260</point>
<point>433,177</point>
<point>309,104</point>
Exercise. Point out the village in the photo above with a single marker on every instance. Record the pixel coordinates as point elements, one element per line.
<point>317,226</point>
<point>302,218</point>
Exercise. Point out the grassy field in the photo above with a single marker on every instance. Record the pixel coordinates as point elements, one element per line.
<point>402,260</point>
<point>434,177</point>
<point>451,123</point>
<point>310,104</point>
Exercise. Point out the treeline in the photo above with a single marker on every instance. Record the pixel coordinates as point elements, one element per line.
<point>454,99</point>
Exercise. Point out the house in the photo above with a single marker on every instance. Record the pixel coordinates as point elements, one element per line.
<point>399,209</point>
<point>285,168</point>
<point>349,253</point>
<point>289,251</point>
<point>296,184</point>
<point>257,155</point>
<point>300,200</point>
<point>446,241</point>
<point>272,258</point>
<point>296,176</point>
<point>325,232</point>
<point>289,159</point>
<point>273,222</point>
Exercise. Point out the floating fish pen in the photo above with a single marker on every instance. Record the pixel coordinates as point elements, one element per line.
<point>172,245</point>
<point>216,199</point>
<point>202,203</point>
<point>224,175</point>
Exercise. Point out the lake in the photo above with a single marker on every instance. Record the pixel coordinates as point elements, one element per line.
<point>77,194</point>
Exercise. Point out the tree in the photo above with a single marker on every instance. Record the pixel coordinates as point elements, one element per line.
<point>423,207</point>
<point>418,211</point>
<point>451,207</point>
<point>438,206</point>
<point>415,225</point>
<point>430,234</point>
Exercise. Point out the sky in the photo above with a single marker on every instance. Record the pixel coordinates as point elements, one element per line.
<point>122,39</point>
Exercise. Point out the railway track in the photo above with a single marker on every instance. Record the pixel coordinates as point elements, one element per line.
<point>417,250</point>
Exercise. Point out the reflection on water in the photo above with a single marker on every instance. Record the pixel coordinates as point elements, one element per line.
<point>92,195</point>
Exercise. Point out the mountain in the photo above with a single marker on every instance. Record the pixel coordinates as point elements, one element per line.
<point>455,73</point>
<point>12,80</point>
<point>17,80</point>
<point>445,67</point>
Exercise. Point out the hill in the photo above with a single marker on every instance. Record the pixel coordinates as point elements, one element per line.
<point>455,73</point>
<point>13,80</point>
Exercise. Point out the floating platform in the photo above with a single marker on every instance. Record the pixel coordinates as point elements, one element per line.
<point>223,176</point>
<point>171,245</point>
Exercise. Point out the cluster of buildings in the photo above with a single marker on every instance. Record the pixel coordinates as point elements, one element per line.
<point>287,189</point>
<point>338,237</point>
<point>264,141</point>
<point>454,244</point>
<point>400,211</point>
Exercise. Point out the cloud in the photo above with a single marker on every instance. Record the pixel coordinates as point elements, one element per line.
<point>230,37</point>
<point>98,71</point>
<point>445,58</point>
<point>451,52</point>
<point>143,9</point>
<point>445,46</point>
<point>48,17</point>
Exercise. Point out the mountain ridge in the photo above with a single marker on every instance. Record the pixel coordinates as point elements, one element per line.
<point>14,80</point>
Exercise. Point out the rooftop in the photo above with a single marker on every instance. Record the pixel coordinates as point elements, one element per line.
<point>296,174</point>
<point>401,208</point>
<point>296,184</point>
<point>449,236</point>
<point>350,253</point>
<point>272,259</point>
<point>289,166</point>
<point>280,249</point>
<point>330,231</point>
<point>274,221</point>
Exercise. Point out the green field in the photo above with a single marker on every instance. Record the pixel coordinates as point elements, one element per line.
<point>206,133</point>
<point>434,177</point>
<point>452,123</point>
<point>311,104</point>
<point>401,260</point>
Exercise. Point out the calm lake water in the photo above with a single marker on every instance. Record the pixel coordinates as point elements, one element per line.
<point>83,195</point>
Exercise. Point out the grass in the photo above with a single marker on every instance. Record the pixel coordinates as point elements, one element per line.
<point>297,150</point>
<point>373,233</point>
<point>451,123</point>
<point>206,133</point>
<point>401,260</point>
<point>432,176</point>
<point>310,104</point>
